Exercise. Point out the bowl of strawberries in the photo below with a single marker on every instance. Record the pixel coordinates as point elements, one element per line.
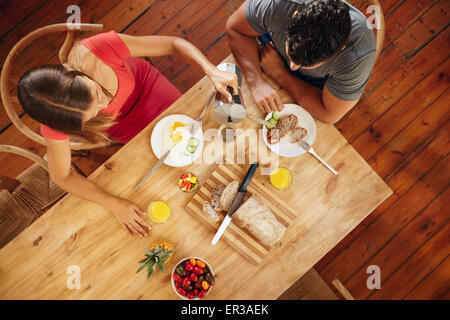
<point>192,278</point>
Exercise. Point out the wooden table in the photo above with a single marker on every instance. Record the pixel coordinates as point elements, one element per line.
<point>77,232</point>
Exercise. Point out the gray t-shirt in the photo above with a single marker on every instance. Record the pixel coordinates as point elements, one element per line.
<point>347,74</point>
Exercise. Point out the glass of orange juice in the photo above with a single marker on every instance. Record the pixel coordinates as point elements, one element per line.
<point>158,211</point>
<point>281,178</point>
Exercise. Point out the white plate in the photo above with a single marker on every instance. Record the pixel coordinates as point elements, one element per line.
<point>157,143</point>
<point>284,148</point>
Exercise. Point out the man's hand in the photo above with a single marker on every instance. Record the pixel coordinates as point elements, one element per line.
<point>271,62</point>
<point>266,97</point>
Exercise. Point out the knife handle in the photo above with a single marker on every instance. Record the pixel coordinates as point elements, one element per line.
<point>248,177</point>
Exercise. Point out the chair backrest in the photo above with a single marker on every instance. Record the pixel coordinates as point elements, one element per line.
<point>30,155</point>
<point>379,20</point>
<point>34,186</point>
<point>24,153</point>
<point>380,28</point>
<point>75,144</point>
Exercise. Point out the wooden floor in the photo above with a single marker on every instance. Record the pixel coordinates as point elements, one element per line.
<point>400,126</point>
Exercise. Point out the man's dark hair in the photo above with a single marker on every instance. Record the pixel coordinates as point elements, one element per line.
<point>318,32</point>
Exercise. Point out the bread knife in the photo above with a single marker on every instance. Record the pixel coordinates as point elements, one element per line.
<point>242,191</point>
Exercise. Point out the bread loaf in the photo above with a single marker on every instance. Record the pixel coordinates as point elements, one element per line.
<point>258,219</point>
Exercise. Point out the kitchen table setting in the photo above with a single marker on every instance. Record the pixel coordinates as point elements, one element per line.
<point>204,242</point>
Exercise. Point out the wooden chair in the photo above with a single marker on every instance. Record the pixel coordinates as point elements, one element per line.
<point>75,144</point>
<point>380,29</point>
<point>33,189</point>
<point>311,286</point>
<point>24,198</point>
<point>14,217</point>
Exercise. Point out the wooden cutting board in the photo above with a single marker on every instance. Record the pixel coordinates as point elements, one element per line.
<point>239,238</point>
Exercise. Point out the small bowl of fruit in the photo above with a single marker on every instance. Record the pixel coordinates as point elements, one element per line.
<point>188,182</point>
<point>192,278</point>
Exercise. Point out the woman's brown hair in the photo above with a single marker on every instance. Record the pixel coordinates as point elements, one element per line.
<point>56,97</point>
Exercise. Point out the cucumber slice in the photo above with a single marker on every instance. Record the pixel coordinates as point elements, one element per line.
<point>191,149</point>
<point>187,154</point>
<point>194,142</point>
<point>275,116</point>
<point>271,126</point>
<point>273,121</point>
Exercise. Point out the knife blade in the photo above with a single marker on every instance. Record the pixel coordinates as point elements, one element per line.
<point>242,191</point>
<point>153,169</point>
<point>159,163</point>
<point>260,121</point>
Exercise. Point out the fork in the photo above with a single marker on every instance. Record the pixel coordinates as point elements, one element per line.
<point>308,148</point>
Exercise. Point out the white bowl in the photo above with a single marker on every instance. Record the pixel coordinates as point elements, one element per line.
<point>172,281</point>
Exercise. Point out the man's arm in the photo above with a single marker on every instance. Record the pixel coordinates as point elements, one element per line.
<point>322,105</point>
<point>242,40</point>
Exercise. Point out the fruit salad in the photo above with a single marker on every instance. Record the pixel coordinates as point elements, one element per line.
<point>188,182</point>
<point>192,278</point>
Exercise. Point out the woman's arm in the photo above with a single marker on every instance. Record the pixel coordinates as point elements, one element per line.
<point>59,160</point>
<point>155,46</point>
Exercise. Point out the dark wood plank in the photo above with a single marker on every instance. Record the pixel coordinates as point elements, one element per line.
<point>406,146</point>
<point>14,12</point>
<point>379,232</point>
<point>402,246</point>
<point>403,161</point>
<point>431,254</point>
<point>412,40</point>
<point>403,112</point>
<point>395,87</point>
<point>403,16</point>
<point>433,150</point>
<point>434,286</point>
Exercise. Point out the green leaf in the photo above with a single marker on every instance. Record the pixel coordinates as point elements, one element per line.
<point>150,270</point>
<point>141,267</point>
<point>160,266</point>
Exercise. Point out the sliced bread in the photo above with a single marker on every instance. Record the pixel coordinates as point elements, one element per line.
<point>208,210</point>
<point>216,194</point>
<point>228,195</point>
<point>286,124</point>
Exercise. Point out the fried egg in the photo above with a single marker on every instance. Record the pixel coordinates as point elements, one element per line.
<point>176,136</point>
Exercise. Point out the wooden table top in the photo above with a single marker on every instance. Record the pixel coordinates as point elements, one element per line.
<point>77,232</point>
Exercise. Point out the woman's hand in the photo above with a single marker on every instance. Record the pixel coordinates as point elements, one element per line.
<point>222,80</point>
<point>130,217</point>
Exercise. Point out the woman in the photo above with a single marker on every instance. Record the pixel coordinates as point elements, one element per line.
<point>100,93</point>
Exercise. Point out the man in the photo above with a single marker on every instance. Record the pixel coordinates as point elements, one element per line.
<point>321,51</point>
